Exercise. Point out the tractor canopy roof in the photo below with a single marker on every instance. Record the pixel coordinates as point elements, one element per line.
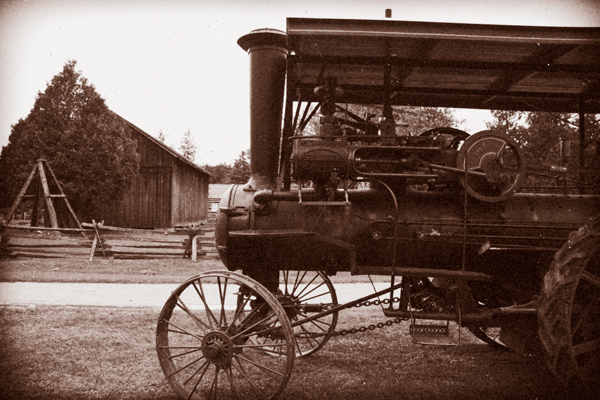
<point>453,65</point>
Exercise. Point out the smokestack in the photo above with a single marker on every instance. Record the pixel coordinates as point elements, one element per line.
<point>267,49</point>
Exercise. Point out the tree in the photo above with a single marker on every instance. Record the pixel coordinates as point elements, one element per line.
<point>188,147</point>
<point>161,136</point>
<point>219,173</point>
<point>540,135</point>
<point>418,119</point>
<point>421,119</point>
<point>89,148</point>
<point>238,173</point>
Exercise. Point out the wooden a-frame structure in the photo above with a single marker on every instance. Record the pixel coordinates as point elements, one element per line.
<point>57,216</point>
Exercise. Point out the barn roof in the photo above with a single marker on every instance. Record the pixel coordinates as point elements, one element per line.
<point>449,65</point>
<point>165,147</point>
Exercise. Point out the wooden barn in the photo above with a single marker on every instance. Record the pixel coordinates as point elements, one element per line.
<point>170,190</point>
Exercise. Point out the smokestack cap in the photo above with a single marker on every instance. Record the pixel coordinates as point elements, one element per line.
<point>263,37</point>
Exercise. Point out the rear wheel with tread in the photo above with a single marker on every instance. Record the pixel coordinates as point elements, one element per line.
<point>569,311</point>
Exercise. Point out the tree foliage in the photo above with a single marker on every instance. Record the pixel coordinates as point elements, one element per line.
<point>238,173</point>
<point>418,119</point>
<point>89,148</point>
<point>540,135</point>
<point>421,119</point>
<point>188,146</point>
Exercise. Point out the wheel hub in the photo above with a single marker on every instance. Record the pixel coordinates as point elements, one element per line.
<point>290,304</point>
<point>217,348</point>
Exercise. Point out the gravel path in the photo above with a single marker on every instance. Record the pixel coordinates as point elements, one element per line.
<point>123,295</point>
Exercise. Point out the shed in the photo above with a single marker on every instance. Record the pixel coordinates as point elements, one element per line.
<point>215,192</point>
<point>169,191</point>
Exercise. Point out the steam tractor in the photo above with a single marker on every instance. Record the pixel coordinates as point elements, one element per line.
<point>445,220</point>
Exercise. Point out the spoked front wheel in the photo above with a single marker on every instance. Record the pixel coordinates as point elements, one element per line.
<point>223,335</point>
<point>303,294</point>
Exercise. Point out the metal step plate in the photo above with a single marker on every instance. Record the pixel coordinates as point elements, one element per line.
<point>432,334</point>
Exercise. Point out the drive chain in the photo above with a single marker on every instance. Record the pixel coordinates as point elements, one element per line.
<point>365,328</point>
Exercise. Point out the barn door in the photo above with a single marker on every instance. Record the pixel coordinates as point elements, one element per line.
<point>154,198</point>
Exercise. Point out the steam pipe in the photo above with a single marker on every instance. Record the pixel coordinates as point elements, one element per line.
<point>267,49</point>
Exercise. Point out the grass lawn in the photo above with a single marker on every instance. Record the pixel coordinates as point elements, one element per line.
<point>56,352</point>
<point>108,353</point>
<point>103,271</point>
<point>174,270</point>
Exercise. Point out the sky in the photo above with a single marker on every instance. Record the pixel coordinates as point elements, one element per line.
<point>175,65</point>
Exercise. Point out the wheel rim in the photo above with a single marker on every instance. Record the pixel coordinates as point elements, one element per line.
<point>210,335</point>
<point>585,325</point>
<point>569,311</point>
<point>303,293</point>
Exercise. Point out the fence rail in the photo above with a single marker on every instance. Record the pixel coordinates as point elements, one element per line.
<point>22,241</point>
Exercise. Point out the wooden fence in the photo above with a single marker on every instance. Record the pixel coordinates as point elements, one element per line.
<point>114,243</point>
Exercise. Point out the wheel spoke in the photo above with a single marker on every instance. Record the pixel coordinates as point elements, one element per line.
<point>181,330</point>
<point>242,372</point>
<point>302,296</point>
<point>315,323</point>
<point>309,336</point>
<point>199,380</point>
<point>239,310</point>
<point>269,329</point>
<point>501,149</point>
<point>262,367</point>
<point>314,297</point>
<point>222,294</point>
<point>298,280</point>
<point>259,346</point>
<point>205,366</point>
<point>246,351</point>
<point>286,275</point>
<point>202,296</point>
<point>213,388</point>
<point>185,366</point>
<point>262,321</point>
<point>182,305</point>
<point>306,286</point>
<point>231,384</point>
<point>185,353</point>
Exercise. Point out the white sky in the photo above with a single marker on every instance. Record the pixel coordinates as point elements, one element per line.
<point>174,65</point>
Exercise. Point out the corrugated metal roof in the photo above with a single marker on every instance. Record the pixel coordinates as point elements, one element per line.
<point>449,65</point>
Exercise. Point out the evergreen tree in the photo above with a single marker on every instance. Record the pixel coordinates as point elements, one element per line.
<point>188,147</point>
<point>89,148</point>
